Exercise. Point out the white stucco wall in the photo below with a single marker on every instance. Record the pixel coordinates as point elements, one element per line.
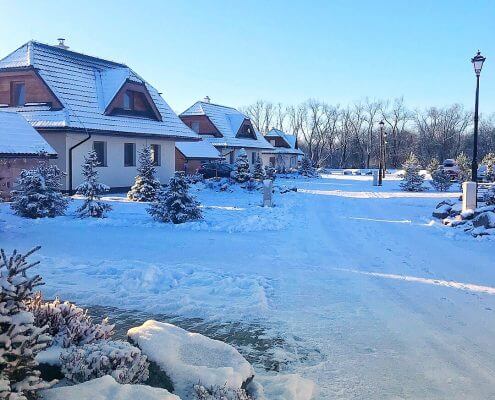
<point>281,160</point>
<point>226,150</point>
<point>115,174</point>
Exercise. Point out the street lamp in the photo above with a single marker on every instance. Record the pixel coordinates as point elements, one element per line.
<point>380,167</point>
<point>477,61</point>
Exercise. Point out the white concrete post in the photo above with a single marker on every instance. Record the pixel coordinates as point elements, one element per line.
<point>375,178</point>
<point>469,194</point>
<point>267,192</point>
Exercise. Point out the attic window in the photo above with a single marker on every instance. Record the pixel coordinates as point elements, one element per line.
<point>129,100</point>
<point>17,93</point>
<point>247,132</point>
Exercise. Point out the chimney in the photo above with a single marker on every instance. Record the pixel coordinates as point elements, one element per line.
<point>61,44</point>
<point>206,99</point>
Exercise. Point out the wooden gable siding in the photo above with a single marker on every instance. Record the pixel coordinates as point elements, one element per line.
<point>206,127</point>
<point>36,89</point>
<point>246,124</point>
<point>143,103</point>
<point>279,142</point>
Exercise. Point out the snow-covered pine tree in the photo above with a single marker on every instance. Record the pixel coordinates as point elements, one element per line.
<point>20,339</point>
<point>489,162</point>
<point>433,165</point>
<point>464,168</point>
<point>175,204</point>
<point>270,172</point>
<point>489,197</point>
<point>91,189</point>
<point>306,168</point>
<point>241,172</point>
<point>412,181</point>
<point>146,185</point>
<point>441,180</point>
<point>38,192</point>
<point>68,324</point>
<point>259,171</point>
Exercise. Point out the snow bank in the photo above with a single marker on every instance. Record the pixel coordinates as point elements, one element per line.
<point>106,388</point>
<point>189,358</point>
<point>50,356</point>
<point>282,387</point>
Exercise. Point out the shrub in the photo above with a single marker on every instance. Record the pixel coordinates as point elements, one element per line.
<point>412,181</point>
<point>120,359</point>
<point>68,324</point>
<point>219,393</point>
<point>146,185</point>
<point>441,180</point>
<point>241,172</point>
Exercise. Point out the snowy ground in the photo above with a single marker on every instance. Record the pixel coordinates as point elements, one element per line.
<point>362,291</point>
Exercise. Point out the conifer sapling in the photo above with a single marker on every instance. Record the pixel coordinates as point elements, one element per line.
<point>412,181</point>
<point>259,171</point>
<point>91,189</point>
<point>146,185</point>
<point>241,172</point>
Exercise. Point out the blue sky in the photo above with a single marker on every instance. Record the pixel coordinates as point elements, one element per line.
<point>237,52</point>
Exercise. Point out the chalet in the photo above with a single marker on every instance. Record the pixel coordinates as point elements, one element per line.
<point>21,147</point>
<point>80,103</point>
<point>189,156</point>
<point>285,153</point>
<point>226,128</point>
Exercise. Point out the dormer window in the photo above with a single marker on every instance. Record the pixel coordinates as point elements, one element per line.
<point>128,100</point>
<point>17,94</point>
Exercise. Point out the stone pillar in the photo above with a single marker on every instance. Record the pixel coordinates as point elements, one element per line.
<point>267,193</point>
<point>469,193</point>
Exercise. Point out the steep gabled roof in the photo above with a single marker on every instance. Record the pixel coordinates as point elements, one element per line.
<point>84,85</point>
<point>227,120</point>
<point>18,137</point>
<point>291,140</point>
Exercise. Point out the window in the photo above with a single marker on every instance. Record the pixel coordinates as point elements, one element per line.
<point>272,142</point>
<point>155,155</point>
<point>253,157</point>
<point>129,154</point>
<point>272,161</point>
<point>232,157</point>
<point>100,149</point>
<point>195,126</point>
<point>18,93</point>
<point>129,100</point>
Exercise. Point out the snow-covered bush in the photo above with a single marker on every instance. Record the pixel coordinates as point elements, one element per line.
<point>219,393</point>
<point>441,180</point>
<point>464,168</point>
<point>195,178</point>
<point>91,189</point>
<point>20,339</point>
<point>259,171</point>
<point>175,204</point>
<point>270,172</point>
<point>68,324</point>
<point>252,184</point>
<point>489,162</point>
<point>433,165</point>
<point>120,359</point>
<point>38,194</point>
<point>306,168</point>
<point>241,172</point>
<point>489,197</point>
<point>146,185</point>
<point>412,181</point>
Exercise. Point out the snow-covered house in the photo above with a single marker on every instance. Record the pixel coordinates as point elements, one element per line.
<point>21,147</point>
<point>285,152</point>
<point>189,156</point>
<point>79,103</point>
<point>226,128</point>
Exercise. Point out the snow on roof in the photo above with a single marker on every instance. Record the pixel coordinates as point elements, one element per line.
<point>84,85</point>
<point>291,140</point>
<point>17,136</point>
<point>201,149</point>
<point>228,121</point>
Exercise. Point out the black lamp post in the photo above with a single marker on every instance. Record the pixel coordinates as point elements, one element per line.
<point>380,166</point>
<point>477,61</point>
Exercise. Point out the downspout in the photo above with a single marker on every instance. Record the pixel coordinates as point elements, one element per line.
<point>70,160</point>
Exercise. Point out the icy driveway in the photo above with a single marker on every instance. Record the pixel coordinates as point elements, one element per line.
<point>377,293</point>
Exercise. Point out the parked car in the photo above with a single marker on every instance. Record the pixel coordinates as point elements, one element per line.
<point>451,167</point>
<point>215,169</point>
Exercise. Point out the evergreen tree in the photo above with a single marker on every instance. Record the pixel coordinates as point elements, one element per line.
<point>259,171</point>
<point>412,181</point>
<point>489,162</point>
<point>441,180</point>
<point>174,204</point>
<point>38,192</point>
<point>464,168</point>
<point>146,185</point>
<point>489,197</point>
<point>270,172</point>
<point>433,165</point>
<point>241,172</point>
<point>306,168</point>
<point>91,189</point>
<point>20,339</point>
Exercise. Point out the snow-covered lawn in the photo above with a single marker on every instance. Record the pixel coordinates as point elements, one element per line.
<point>373,299</point>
